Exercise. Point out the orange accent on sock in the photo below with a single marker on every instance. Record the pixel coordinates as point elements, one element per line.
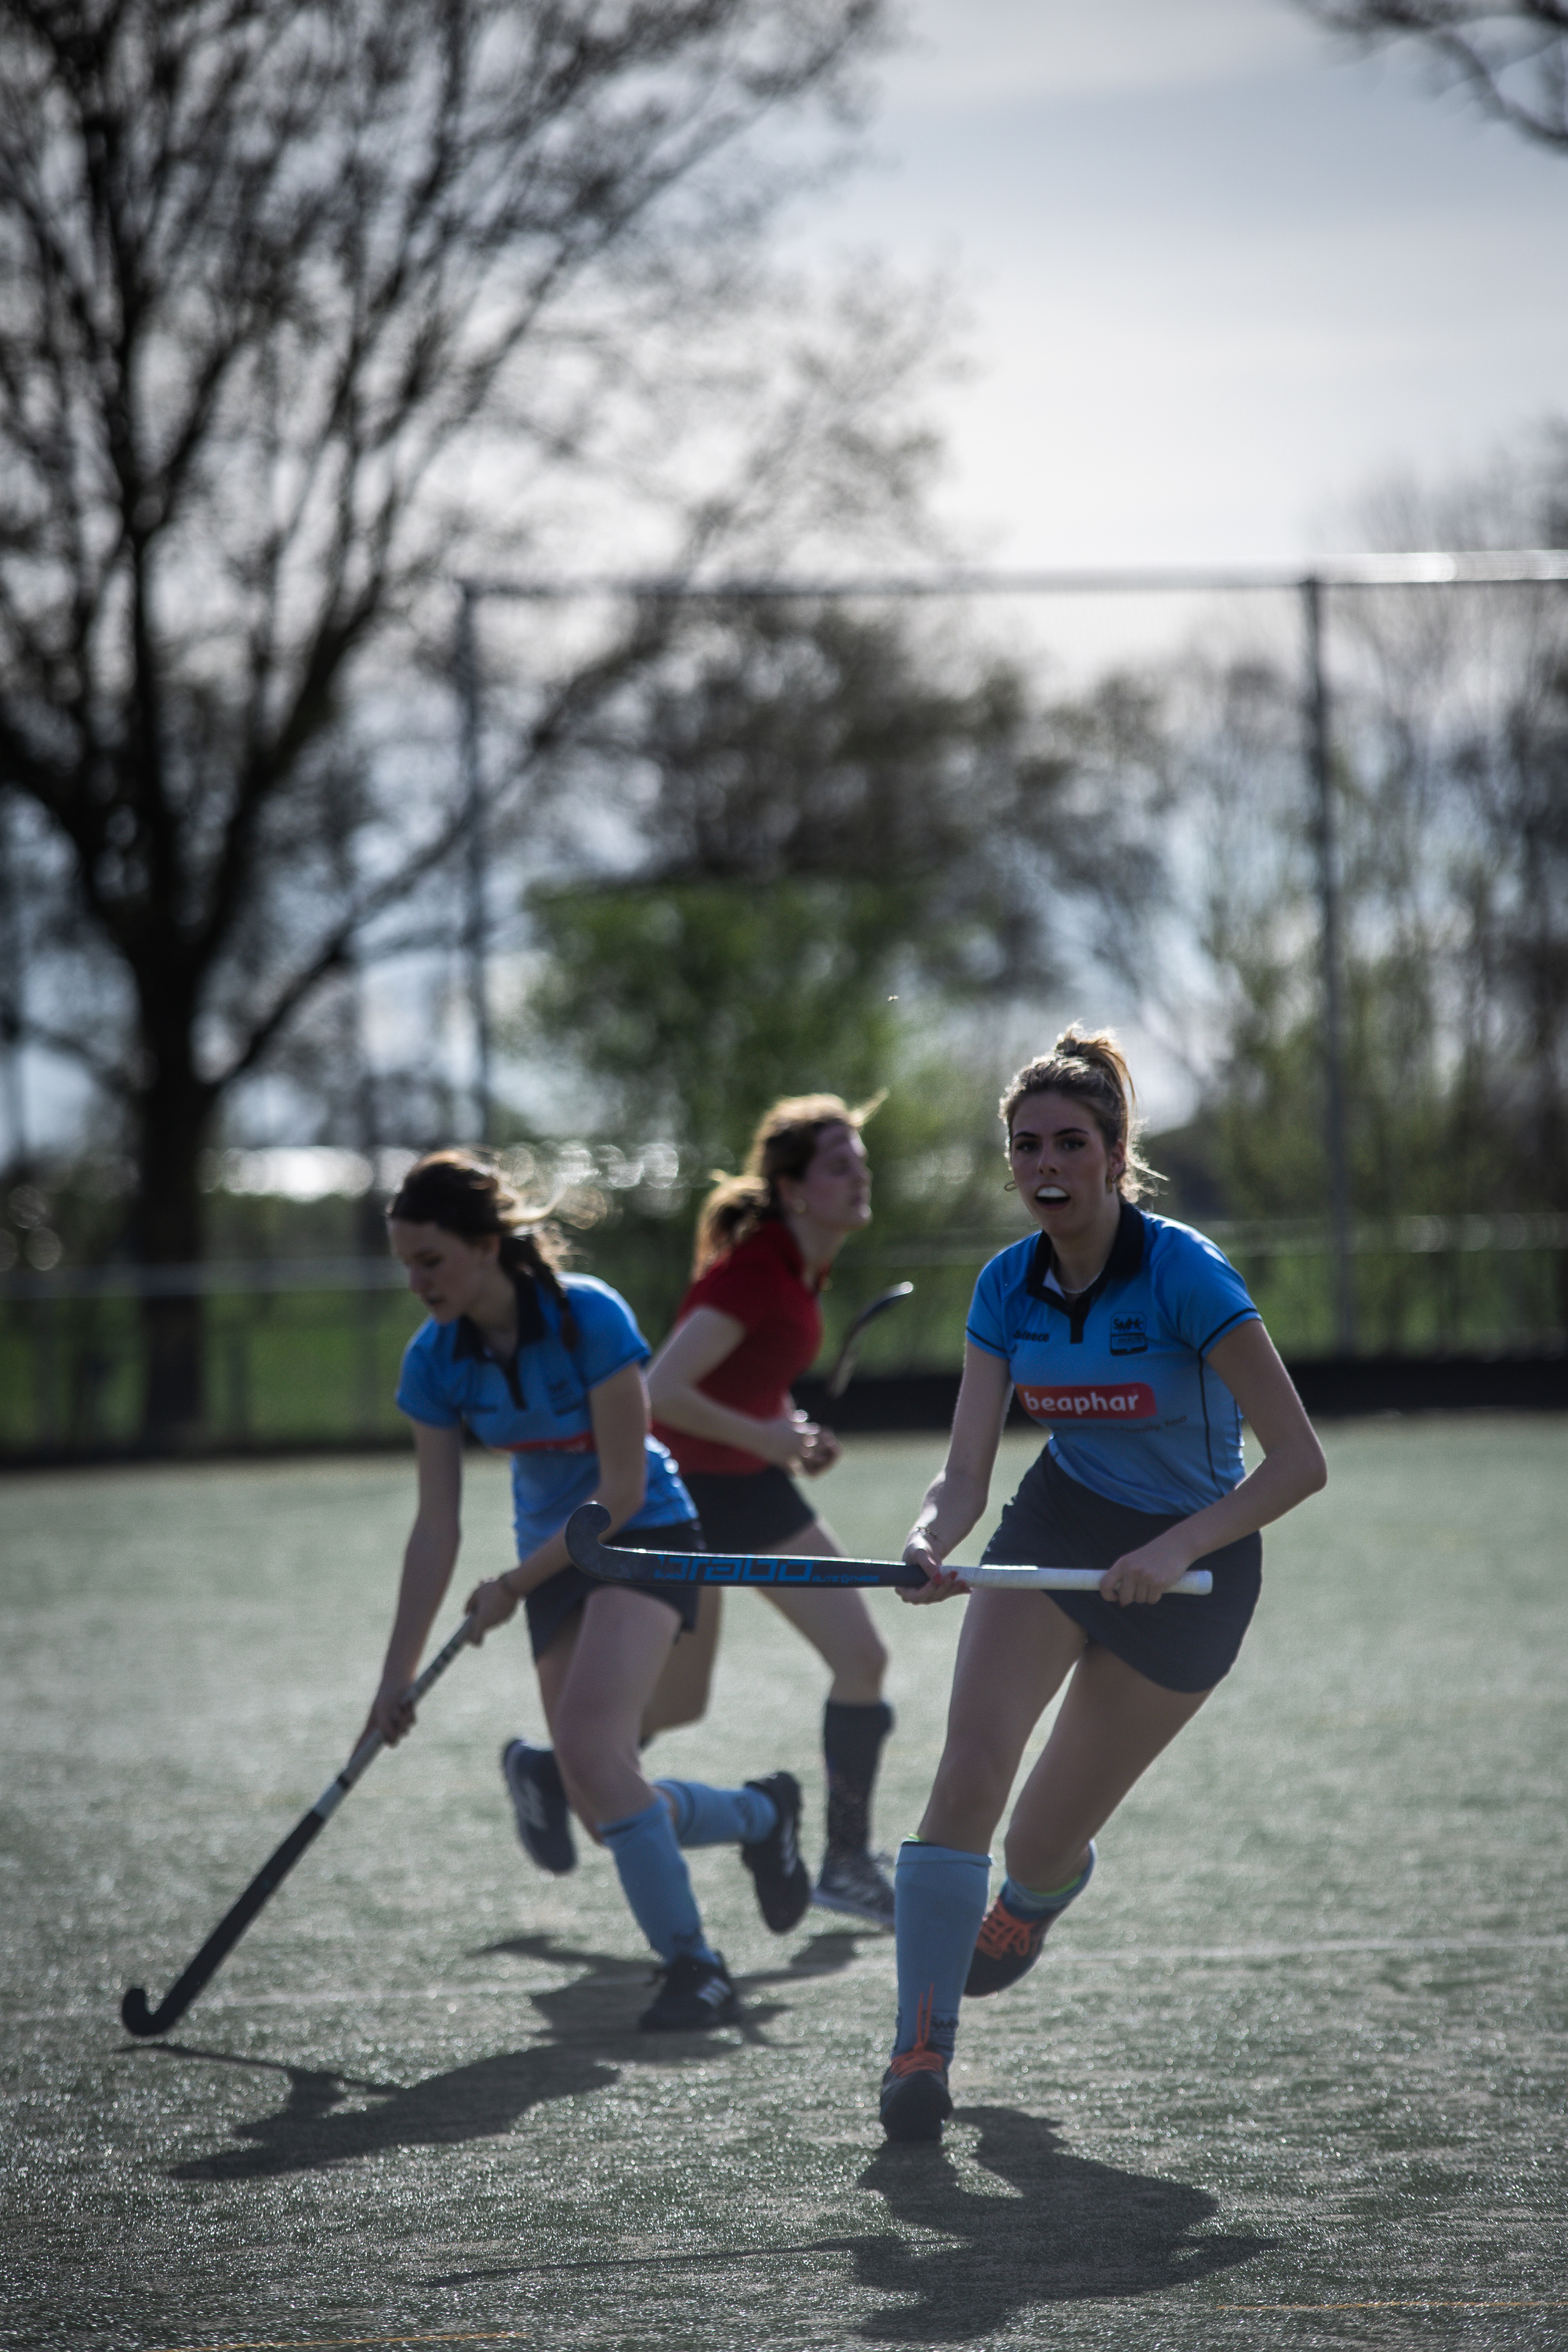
<point>920,2058</point>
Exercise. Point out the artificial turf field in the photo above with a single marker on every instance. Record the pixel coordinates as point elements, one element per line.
<point>1291,2075</point>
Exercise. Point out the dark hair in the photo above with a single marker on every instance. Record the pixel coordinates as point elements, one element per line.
<point>1090,1066</point>
<point>467,1195</point>
<point>784,1145</point>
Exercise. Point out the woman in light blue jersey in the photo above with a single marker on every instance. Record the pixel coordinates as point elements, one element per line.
<point>1133,1341</point>
<point>548,1367</point>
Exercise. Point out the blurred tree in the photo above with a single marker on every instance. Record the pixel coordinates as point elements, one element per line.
<point>694,1005</point>
<point>1513,57</point>
<point>1452,737</point>
<point>832,810</point>
<point>275,281</point>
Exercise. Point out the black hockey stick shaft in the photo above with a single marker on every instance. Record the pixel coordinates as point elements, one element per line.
<point>801,1570</point>
<point>843,1370</point>
<point>134,2012</point>
<point>586,1526</point>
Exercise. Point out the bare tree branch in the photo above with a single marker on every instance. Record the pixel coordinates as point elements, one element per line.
<point>268,278</point>
<point>1512,58</point>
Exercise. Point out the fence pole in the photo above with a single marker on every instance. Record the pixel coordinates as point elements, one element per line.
<point>1320,761</point>
<point>13,985</point>
<point>476,926</point>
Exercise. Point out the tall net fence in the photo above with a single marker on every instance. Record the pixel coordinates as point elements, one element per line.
<point>306,1353</point>
<point>1309,836</point>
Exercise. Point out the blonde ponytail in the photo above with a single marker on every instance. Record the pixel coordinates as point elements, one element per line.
<point>784,1145</point>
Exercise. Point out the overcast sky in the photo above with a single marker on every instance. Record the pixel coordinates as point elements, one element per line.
<point>1219,276</point>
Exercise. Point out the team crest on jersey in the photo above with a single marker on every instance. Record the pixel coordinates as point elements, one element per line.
<point>1102,1401</point>
<point>1128,1335</point>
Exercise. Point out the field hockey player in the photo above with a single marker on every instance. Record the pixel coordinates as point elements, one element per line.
<point>748,1327</point>
<point>1134,1342</point>
<point>547,1367</point>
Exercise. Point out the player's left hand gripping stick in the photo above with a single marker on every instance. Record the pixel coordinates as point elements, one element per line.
<point>587,1524</point>
<point>135,2015</point>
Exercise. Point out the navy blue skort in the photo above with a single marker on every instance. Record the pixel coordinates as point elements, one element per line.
<point>1186,1642</point>
<point>748,1510</point>
<point>550,1605</point>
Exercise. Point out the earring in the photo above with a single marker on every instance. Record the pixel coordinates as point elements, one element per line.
<point>1009,1186</point>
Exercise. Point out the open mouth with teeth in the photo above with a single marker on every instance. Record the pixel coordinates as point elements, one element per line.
<point>1052,1194</point>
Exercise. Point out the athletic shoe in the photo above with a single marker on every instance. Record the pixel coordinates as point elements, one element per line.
<point>856,1884</point>
<point>783,1881</point>
<point>1007,1947</point>
<point>916,2102</point>
<point>544,1819</point>
<point>1006,1950</point>
<point>695,1994</point>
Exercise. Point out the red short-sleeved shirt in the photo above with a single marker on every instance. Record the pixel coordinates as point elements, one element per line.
<point>763,1284</point>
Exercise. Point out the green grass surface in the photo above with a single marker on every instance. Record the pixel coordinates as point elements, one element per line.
<point>1291,2075</point>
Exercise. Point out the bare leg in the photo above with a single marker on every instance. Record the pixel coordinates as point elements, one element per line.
<point>595,1699</point>
<point>838,1625</point>
<point>680,1695</point>
<point>1015,1653</point>
<point>553,1666</point>
<point>1111,1724</point>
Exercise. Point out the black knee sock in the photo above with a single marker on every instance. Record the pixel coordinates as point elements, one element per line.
<point>852,1740</point>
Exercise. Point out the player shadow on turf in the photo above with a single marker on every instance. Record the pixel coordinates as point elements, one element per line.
<point>592,2023</point>
<point>824,1954</point>
<point>1074,2229</point>
<point>314,2129</point>
<point>579,2011</point>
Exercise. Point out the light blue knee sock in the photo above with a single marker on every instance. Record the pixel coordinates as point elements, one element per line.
<point>1035,1902</point>
<point>705,1816</point>
<point>940,1891</point>
<point>656,1883</point>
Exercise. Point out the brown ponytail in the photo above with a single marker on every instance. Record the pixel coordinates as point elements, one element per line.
<point>1090,1066</point>
<point>784,1145</point>
<point>467,1195</point>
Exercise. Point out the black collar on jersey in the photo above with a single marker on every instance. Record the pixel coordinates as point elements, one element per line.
<point>1126,1257</point>
<point>531,1327</point>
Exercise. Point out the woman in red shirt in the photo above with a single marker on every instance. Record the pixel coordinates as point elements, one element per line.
<point>748,1327</point>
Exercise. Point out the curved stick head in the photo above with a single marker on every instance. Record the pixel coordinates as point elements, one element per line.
<point>136,2017</point>
<point>584,1531</point>
<point>843,1371</point>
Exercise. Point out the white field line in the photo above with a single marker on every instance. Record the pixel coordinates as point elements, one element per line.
<point>1104,1963</point>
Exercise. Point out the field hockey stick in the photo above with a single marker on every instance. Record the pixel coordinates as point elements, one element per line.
<point>843,1371</point>
<point>586,1525</point>
<point>134,2013</point>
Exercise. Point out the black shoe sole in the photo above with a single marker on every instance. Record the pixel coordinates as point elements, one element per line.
<point>974,1992</point>
<point>649,2023</point>
<point>783,1902</point>
<point>915,2107</point>
<point>561,1856</point>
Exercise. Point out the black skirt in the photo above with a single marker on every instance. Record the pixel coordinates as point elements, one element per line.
<point>748,1510</point>
<point>550,1605</point>
<point>1186,1641</point>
